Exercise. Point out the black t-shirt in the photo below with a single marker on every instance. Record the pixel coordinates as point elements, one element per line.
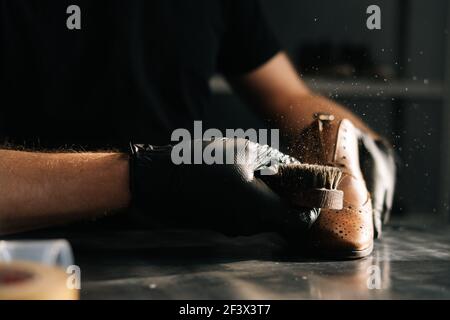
<point>136,70</point>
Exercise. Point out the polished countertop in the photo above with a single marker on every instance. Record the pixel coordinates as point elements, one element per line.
<point>409,262</point>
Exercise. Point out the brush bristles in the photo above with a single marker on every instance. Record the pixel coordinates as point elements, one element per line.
<point>308,176</point>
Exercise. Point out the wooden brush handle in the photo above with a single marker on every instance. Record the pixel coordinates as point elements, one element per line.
<point>319,198</point>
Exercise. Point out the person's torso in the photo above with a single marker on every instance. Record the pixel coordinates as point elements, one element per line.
<point>135,71</point>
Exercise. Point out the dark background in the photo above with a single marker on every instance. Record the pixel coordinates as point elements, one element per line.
<point>409,107</point>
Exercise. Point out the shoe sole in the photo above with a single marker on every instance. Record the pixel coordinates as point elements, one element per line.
<point>341,255</point>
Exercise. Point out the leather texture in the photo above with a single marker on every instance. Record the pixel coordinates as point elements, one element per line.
<point>346,233</point>
<point>231,198</point>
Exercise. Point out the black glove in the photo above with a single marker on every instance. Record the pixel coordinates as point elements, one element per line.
<point>377,160</point>
<point>231,198</point>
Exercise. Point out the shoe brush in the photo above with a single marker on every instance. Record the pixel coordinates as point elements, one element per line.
<point>308,185</point>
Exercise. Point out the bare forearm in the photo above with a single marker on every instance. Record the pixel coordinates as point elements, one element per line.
<point>42,189</point>
<point>277,89</point>
<point>298,112</point>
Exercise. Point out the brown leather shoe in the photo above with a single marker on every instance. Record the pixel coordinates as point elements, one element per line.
<point>346,233</point>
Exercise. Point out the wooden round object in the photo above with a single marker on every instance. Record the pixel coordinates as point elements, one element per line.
<point>32,281</point>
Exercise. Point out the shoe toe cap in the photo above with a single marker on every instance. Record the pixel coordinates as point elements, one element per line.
<point>343,230</point>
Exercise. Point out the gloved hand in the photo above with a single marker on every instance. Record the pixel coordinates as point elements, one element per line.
<point>378,167</point>
<point>231,198</point>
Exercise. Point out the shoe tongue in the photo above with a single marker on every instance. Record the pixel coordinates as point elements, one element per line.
<point>317,143</point>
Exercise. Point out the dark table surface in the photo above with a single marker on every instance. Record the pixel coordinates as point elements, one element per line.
<point>410,262</point>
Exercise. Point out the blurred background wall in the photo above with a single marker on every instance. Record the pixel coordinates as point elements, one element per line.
<point>394,78</point>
